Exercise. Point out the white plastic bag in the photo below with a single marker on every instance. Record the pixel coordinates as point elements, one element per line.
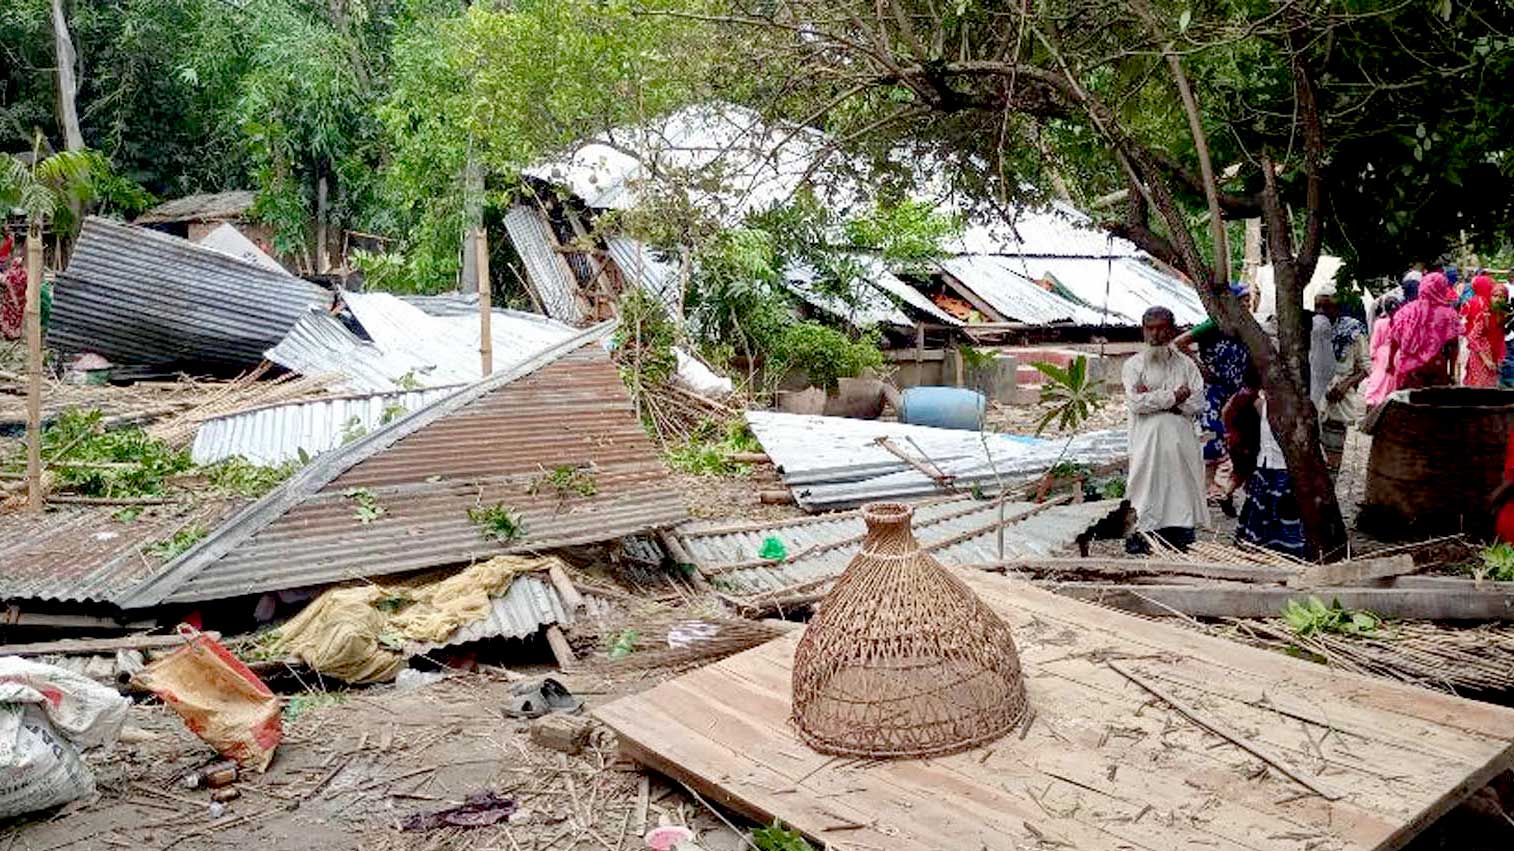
<point>46,715</point>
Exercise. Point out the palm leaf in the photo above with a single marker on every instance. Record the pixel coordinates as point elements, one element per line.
<point>1054,372</point>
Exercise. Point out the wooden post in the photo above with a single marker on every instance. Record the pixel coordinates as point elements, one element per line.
<point>485,305</point>
<point>33,316</point>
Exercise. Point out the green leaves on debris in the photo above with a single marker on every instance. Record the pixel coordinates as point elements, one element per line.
<point>498,523</point>
<point>708,452</point>
<point>177,544</point>
<point>1313,617</point>
<point>88,459</point>
<point>368,509</point>
<point>565,480</point>
<point>239,477</point>
<point>1495,563</point>
<point>778,838</point>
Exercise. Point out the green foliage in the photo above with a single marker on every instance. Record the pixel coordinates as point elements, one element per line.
<point>565,480</point>
<point>1070,395</point>
<point>177,544</point>
<point>1495,562</point>
<point>708,452</point>
<point>129,514</point>
<point>824,354</point>
<point>353,430</point>
<point>239,477</point>
<point>497,522</point>
<point>92,461</point>
<point>368,508</point>
<point>1111,488</point>
<point>297,705</point>
<point>624,644</point>
<point>908,235</point>
<point>778,838</point>
<point>392,413</point>
<point>1313,616</point>
<point>1069,470</point>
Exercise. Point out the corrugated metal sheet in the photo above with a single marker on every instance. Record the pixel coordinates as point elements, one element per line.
<point>408,345</point>
<point>641,265</point>
<point>137,296</point>
<point>961,531</point>
<point>554,286</point>
<point>1001,282</point>
<point>319,344</point>
<point>276,434</point>
<point>86,555</point>
<point>487,444</point>
<point>868,306</point>
<point>1102,447</point>
<point>1055,230</point>
<point>204,207</point>
<point>530,604</point>
<point>835,462</point>
<point>228,240</point>
<point>1132,286</point>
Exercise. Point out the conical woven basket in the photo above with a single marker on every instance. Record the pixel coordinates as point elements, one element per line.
<point>903,659</point>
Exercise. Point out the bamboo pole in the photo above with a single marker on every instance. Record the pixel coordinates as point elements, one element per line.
<point>33,316</point>
<point>485,307</point>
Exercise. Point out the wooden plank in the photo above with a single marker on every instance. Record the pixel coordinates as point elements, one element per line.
<point>1122,568</point>
<point>561,650</point>
<point>1102,766</point>
<point>1234,601</point>
<point>1354,572</point>
<point>79,646</point>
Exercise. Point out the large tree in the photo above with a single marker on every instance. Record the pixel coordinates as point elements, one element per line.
<point>1231,108</point>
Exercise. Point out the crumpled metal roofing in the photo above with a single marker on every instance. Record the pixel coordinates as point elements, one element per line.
<point>997,281</point>
<point>957,531</point>
<point>86,555</point>
<point>276,434</point>
<point>409,346</point>
<point>486,444</point>
<point>835,462</point>
<point>138,296</point>
<point>547,271</point>
<point>530,604</point>
<point>639,263</point>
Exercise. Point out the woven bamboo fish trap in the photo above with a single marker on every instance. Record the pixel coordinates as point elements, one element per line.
<point>903,659</point>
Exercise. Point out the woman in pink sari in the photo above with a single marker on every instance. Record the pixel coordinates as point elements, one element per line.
<point>1423,337</point>
<point>1380,380</point>
<point>1485,343</point>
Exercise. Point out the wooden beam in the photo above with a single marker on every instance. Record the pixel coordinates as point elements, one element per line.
<point>1120,568</point>
<point>972,298</point>
<point>14,616</point>
<point>485,306</point>
<point>1354,572</point>
<point>33,316</point>
<point>571,599</point>
<point>561,650</point>
<point>83,646</point>
<point>1232,601</point>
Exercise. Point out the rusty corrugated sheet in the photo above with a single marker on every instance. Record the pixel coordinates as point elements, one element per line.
<point>489,444</point>
<point>86,555</point>
<point>138,296</point>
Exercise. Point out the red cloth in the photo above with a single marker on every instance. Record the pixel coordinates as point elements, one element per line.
<point>12,299</point>
<point>1423,327</point>
<point>1504,526</point>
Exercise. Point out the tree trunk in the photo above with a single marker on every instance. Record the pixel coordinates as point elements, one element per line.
<point>473,222</point>
<point>322,214</point>
<point>68,80</point>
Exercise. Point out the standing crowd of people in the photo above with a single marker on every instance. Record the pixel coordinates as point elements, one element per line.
<point>1196,402</point>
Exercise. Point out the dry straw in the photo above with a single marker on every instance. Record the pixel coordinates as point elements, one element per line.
<point>903,659</point>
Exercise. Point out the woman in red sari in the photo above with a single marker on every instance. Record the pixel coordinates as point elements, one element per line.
<point>1423,336</point>
<point>1485,343</point>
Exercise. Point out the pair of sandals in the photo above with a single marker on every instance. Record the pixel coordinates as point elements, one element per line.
<point>535,699</point>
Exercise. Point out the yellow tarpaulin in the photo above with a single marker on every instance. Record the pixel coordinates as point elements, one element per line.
<point>350,633</point>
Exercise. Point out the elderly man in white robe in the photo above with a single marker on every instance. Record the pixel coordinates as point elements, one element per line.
<point>1164,392</point>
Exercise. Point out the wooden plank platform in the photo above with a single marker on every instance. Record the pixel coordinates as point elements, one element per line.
<point>1103,764</point>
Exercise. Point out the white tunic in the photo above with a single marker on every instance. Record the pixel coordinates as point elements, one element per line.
<point>1166,485</point>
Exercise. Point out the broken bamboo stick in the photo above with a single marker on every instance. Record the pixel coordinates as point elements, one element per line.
<point>33,316</point>
<point>1204,721</point>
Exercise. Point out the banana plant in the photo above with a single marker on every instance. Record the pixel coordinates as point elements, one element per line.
<point>1071,396</point>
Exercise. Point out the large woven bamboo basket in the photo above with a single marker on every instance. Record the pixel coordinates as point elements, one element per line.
<point>903,659</point>
<point>1436,455</point>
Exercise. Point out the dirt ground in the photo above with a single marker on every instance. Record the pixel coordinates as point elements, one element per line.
<point>349,770</point>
